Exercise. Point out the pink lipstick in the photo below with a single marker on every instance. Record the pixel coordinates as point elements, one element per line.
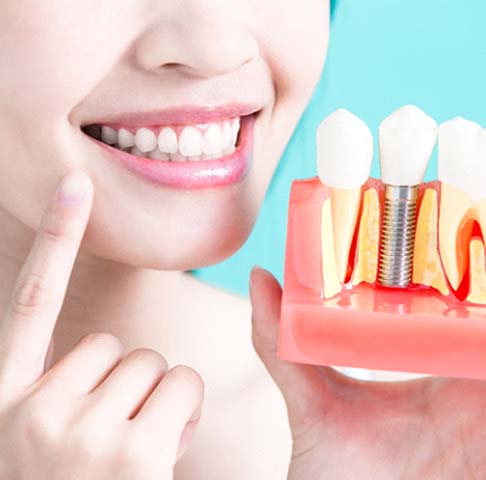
<point>187,174</point>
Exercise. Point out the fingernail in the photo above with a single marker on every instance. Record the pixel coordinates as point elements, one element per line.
<point>254,269</point>
<point>252,274</point>
<point>73,188</point>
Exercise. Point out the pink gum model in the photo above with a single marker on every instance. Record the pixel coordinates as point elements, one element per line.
<point>413,330</point>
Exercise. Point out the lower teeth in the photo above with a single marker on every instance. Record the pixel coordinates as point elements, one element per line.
<point>171,157</point>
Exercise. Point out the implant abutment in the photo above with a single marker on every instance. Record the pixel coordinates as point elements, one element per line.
<point>398,236</point>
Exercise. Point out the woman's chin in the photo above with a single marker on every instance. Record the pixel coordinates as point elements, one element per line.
<point>170,252</point>
<point>208,252</point>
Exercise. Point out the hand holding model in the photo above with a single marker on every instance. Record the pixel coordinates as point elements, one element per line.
<point>430,428</point>
<point>95,413</point>
<point>346,302</point>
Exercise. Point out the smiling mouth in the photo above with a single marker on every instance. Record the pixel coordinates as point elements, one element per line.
<point>172,143</point>
<point>213,150</point>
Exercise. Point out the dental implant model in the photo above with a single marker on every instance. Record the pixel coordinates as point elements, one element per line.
<point>352,238</point>
<point>407,138</point>
<point>344,156</point>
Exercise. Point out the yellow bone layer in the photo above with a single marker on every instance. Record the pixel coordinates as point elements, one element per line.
<point>345,208</point>
<point>477,289</point>
<point>427,269</point>
<point>457,215</point>
<point>368,238</point>
<point>332,285</point>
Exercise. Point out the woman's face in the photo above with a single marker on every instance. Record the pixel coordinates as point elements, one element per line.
<point>195,66</point>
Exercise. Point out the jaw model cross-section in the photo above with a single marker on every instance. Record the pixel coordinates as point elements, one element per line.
<point>336,307</point>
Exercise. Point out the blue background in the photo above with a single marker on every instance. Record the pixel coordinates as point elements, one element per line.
<point>383,54</point>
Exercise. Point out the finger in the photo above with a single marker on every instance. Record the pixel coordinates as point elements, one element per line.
<point>309,391</point>
<point>186,437</point>
<point>49,355</point>
<point>84,367</point>
<point>39,290</point>
<point>126,389</point>
<point>175,402</point>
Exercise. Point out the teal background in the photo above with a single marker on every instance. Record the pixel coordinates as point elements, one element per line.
<point>383,54</point>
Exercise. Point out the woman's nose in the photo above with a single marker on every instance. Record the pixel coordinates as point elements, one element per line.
<point>202,38</point>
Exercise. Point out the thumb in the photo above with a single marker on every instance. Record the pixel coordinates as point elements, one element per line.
<point>309,391</point>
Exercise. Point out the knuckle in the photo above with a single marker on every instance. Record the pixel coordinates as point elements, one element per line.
<point>189,380</point>
<point>104,341</point>
<point>150,358</point>
<point>55,228</point>
<point>29,295</point>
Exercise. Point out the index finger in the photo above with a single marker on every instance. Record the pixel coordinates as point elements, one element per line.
<point>39,291</point>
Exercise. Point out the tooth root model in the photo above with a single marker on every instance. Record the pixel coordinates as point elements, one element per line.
<point>461,171</point>
<point>407,138</point>
<point>344,156</point>
<point>334,311</point>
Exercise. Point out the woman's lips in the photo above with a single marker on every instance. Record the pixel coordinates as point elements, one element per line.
<point>189,174</point>
<point>177,116</point>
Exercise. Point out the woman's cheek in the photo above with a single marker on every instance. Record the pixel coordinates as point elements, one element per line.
<point>67,47</point>
<point>294,44</point>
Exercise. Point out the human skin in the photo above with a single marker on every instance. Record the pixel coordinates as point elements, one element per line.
<point>96,413</point>
<point>63,63</point>
<point>430,428</point>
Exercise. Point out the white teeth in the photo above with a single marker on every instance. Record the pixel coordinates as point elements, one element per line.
<point>407,138</point>
<point>212,140</point>
<point>145,140</point>
<point>177,157</point>
<point>137,152</point>
<point>344,150</point>
<point>227,136</point>
<point>200,142</point>
<point>109,136</point>
<point>190,142</point>
<point>125,138</point>
<point>168,141</point>
<point>462,156</point>
<point>158,155</point>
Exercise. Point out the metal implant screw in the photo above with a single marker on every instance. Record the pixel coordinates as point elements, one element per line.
<point>398,236</point>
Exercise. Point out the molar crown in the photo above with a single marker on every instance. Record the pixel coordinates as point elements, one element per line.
<point>406,138</point>
<point>462,156</point>
<point>344,150</point>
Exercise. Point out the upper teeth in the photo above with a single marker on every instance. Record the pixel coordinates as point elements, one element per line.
<point>167,141</point>
<point>202,141</point>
